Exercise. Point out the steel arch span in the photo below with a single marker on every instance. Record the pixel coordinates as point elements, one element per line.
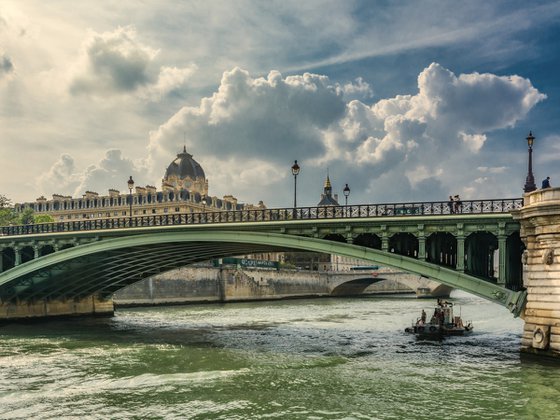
<point>104,266</point>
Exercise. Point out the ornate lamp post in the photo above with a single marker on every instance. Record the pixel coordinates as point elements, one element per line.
<point>203,215</point>
<point>295,172</point>
<point>130,187</point>
<point>346,192</point>
<point>530,181</point>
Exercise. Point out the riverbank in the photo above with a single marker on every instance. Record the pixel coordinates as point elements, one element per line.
<point>206,284</point>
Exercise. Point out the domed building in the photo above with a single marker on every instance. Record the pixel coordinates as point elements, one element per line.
<point>184,189</point>
<point>185,173</point>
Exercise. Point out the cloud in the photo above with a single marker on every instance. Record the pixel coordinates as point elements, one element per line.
<point>6,65</point>
<point>61,178</point>
<point>272,118</point>
<point>473,141</point>
<point>475,102</point>
<point>421,139</point>
<point>248,132</point>
<point>111,172</point>
<point>359,89</point>
<point>492,170</point>
<point>118,63</point>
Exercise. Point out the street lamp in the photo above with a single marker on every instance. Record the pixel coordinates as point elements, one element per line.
<point>130,187</point>
<point>203,215</point>
<point>530,181</point>
<point>295,172</point>
<point>346,192</point>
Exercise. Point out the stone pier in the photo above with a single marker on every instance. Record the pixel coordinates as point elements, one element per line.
<point>90,306</point>
<point>540,231</point>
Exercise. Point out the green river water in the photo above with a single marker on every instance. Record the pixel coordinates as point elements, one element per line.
<point>301,359</point>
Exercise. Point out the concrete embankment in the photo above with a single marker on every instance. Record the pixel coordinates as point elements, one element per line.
<point>214,284</point>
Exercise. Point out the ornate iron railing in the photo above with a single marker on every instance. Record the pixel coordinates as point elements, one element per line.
<point>435,208</point>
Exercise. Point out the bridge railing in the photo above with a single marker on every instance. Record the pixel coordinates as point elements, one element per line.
<point>442,208</point>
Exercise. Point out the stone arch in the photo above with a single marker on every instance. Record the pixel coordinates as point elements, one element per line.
<point>479,254</point>
<point>68,278</point>
<point>8,258</point>
<point>404,244</point>
<point>27,253</point>
<point>441,249</point>
<point>334,237</point>
<point>370,240</point>
<point>46,250</point>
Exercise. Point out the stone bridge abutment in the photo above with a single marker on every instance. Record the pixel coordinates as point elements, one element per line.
<point>540,230</point>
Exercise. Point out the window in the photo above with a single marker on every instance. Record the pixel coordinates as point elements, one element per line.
<point>154,211</point>
<point>177,209</point>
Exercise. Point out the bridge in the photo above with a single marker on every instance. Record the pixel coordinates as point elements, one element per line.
<point>75,267</point>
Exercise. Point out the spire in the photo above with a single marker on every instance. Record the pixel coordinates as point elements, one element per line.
<point>326,198</point>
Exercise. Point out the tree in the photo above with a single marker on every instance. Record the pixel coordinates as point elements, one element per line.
<point>43,218</point>
<point>26,217</point>
<point>7,215</point>
<point>5,202</point>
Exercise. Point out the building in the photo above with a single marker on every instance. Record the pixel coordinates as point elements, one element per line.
<point>184,189</point>
<point>327,198</point>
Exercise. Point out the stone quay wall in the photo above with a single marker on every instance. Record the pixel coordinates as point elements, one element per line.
<point>210,284</point>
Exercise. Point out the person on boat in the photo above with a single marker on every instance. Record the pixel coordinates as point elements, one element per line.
<point>423,317</point>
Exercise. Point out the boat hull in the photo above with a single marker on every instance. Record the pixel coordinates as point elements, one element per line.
<point>438,330</point>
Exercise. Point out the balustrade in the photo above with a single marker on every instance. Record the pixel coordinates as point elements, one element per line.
<point>439,208</point>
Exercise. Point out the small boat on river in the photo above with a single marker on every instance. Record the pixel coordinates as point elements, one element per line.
<point>442,323</point>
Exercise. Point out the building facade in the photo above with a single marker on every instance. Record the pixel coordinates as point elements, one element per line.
<point>184,189</point>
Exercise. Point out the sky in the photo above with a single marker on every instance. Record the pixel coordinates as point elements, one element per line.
<point>401,100</point>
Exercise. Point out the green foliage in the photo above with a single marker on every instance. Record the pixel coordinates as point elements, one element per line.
<point>7,217</point>
<point>43,218</point>
<point>26,217</point>
<point>5,202</point>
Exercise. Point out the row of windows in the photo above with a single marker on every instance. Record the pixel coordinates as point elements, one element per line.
<point>117,214</point>
<point>160,197</point>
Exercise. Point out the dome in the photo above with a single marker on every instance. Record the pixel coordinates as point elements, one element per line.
<point>184,166</point>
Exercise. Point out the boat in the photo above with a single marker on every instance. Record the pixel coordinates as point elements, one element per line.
<point>442,323</point>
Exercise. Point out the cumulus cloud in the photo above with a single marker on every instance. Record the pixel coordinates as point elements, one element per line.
<point>118,63</point>
<point>419,139</point>
<point>359,89</point>
<point>111,172</point>
<point>249,131</point>
<point>6,65</point>
<point>473,141</point>
<point>61,178</point>
<point>272,118</point>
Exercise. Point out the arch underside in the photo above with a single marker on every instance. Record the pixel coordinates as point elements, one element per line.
<point>105,266</point>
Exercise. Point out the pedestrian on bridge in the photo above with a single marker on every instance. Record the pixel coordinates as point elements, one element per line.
<point>458,204</point>
<point>546,183</point>
<point>451,204</point>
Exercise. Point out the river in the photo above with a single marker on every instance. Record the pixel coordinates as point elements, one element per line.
<point>337,358</point>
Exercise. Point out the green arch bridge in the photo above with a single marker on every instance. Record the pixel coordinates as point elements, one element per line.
<point>57,268</point>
